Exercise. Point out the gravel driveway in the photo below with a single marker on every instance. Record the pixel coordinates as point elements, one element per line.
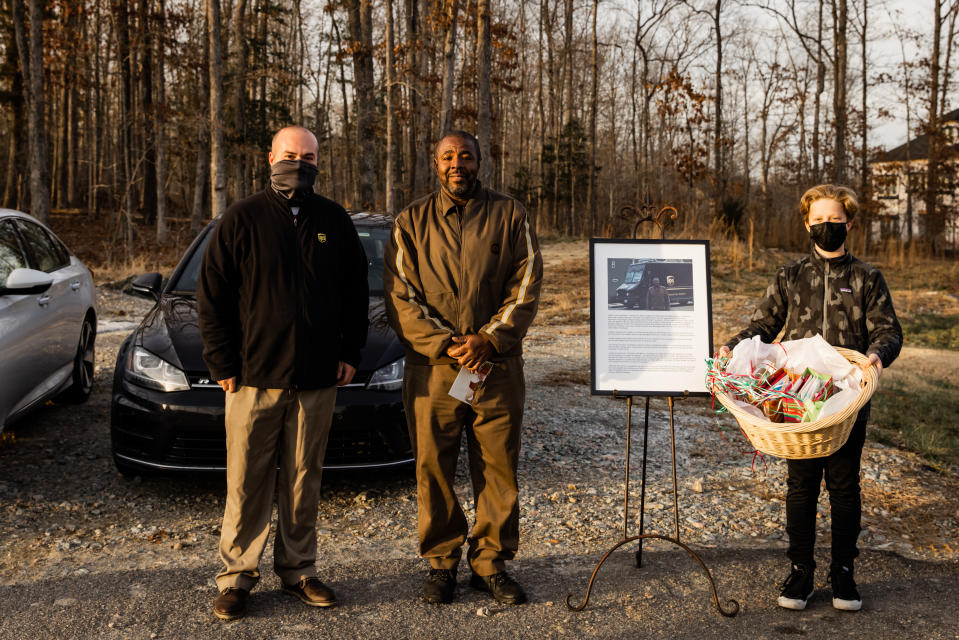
<point>85,552</point>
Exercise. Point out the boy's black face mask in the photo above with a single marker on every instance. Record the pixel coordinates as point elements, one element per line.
<point>293,179</point>
<point>828,236</point>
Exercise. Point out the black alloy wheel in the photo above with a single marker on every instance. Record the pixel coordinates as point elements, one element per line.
<point>83,364</point>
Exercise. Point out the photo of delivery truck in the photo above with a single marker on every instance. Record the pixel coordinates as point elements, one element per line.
<point>656,284</point>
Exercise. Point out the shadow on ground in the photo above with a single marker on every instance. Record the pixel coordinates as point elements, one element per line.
<point>668,598</point>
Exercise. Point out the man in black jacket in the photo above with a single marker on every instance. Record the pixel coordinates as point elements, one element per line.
<point>282,300</point>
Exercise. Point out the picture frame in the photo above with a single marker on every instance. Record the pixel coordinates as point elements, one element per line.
<point>651,326</point>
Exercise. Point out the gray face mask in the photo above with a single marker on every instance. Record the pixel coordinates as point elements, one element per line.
<point>293,179</point>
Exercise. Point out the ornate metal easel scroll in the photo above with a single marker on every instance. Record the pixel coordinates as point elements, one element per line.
<point>645,213</point>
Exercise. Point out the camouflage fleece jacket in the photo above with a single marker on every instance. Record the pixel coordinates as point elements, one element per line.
<point>843,299</point>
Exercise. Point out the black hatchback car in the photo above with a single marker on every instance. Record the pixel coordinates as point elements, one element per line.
<point>167,414</point>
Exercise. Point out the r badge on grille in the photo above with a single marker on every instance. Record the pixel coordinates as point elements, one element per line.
<point>321,237</point>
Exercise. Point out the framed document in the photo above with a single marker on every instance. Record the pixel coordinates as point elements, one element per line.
<point>651,325</point>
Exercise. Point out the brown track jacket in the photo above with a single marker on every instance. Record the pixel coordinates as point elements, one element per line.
<point>451,271</point>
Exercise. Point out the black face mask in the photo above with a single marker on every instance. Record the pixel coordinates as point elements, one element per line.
<point>828,236</point>
<point>293,179</point>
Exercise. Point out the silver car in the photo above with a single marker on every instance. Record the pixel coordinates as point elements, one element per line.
<point>48,318</point>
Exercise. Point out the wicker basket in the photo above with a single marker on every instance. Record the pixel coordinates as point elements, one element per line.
<point>801,440</point>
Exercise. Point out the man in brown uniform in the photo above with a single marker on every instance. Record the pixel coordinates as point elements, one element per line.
<point>463,274</point>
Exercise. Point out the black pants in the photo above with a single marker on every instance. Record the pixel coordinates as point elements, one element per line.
<point>841,471</point>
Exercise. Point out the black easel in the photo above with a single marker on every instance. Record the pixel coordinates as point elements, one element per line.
<point>645,214</point>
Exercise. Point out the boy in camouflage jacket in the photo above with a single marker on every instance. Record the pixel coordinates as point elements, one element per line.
<point>831,293</point>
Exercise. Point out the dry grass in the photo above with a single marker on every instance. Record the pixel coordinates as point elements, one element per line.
<point>104,252</point>
<point>917,400</point>
<point>565,296</point>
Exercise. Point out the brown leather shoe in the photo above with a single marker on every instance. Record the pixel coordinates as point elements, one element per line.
<point>231,603</point>
<point>312,592</point>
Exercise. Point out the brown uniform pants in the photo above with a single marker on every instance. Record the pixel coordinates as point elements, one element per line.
<point>493,425</point>
<point>264,428</point>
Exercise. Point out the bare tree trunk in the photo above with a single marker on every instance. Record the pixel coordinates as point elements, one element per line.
<point>58,125</point>
<point>484,105</point>
<point>719,163</point>
<point>10,181</point>
<point>239,163</point>
<point>934,217</point>
<point>72,119</point>
<point>361,35</point>
<point>202,158</point>
<point>568,115</point>
<point>840,115</point>
<point>390,115</point>
<point>30,47</point>
<point>864,190</point>
<point>555,104</point>
<point>17,128</point>
<point>817,107</point>
<point>217,156</point>
<point>746,92</point>
<point>540,97</point>
<point>449,66</point>
<point>160,134</point>
<point>953,13</point>
<point>634,124</point>
<point>907,86</point>
<point>145,126</point>
<point>325,120</point>
<point>347,137</point>
<point>95,122</point>
<point>593,97</point>
<point>421,107</point>
<point>125,218</point>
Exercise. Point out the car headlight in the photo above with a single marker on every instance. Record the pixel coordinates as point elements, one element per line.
<point>388,378</point>
<point>150,370</point>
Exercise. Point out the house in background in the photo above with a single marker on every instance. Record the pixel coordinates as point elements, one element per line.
<point>899,185</point>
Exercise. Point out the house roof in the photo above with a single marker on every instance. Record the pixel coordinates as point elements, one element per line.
<point>918,147</point>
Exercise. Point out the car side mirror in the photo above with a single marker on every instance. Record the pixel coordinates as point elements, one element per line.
<point>22,282</point>
<point>148,285</point>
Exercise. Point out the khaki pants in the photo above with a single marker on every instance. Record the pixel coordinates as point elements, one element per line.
<point>436,421</point>
<point>266,428</point>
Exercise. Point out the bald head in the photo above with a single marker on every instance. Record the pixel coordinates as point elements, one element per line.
<point>294,143</point>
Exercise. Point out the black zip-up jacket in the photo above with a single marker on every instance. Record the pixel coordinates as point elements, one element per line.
<point>281,300</point>
<point>843,299</point>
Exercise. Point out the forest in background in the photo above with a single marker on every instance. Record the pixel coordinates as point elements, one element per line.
<point>149,112</point>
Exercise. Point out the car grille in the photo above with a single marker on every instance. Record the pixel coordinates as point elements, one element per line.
<point>380,438</point>
<point>203,381</point>
<point>352,443</point>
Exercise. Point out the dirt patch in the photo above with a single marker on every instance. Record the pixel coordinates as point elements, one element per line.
<point>567,377</point>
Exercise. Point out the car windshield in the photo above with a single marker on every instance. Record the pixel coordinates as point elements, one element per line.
<point>374,241</point>
<point>635,274</point>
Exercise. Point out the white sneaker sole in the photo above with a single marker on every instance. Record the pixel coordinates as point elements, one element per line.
<point>846,605</point>
<point>793,603</point>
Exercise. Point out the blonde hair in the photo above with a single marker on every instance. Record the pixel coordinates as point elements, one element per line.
<point>843,195</point>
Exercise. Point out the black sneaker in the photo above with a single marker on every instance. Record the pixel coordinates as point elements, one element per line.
<point>503,587</point>
<point>845,597</point>
<point>439,586</point>
<point>797,588</point>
